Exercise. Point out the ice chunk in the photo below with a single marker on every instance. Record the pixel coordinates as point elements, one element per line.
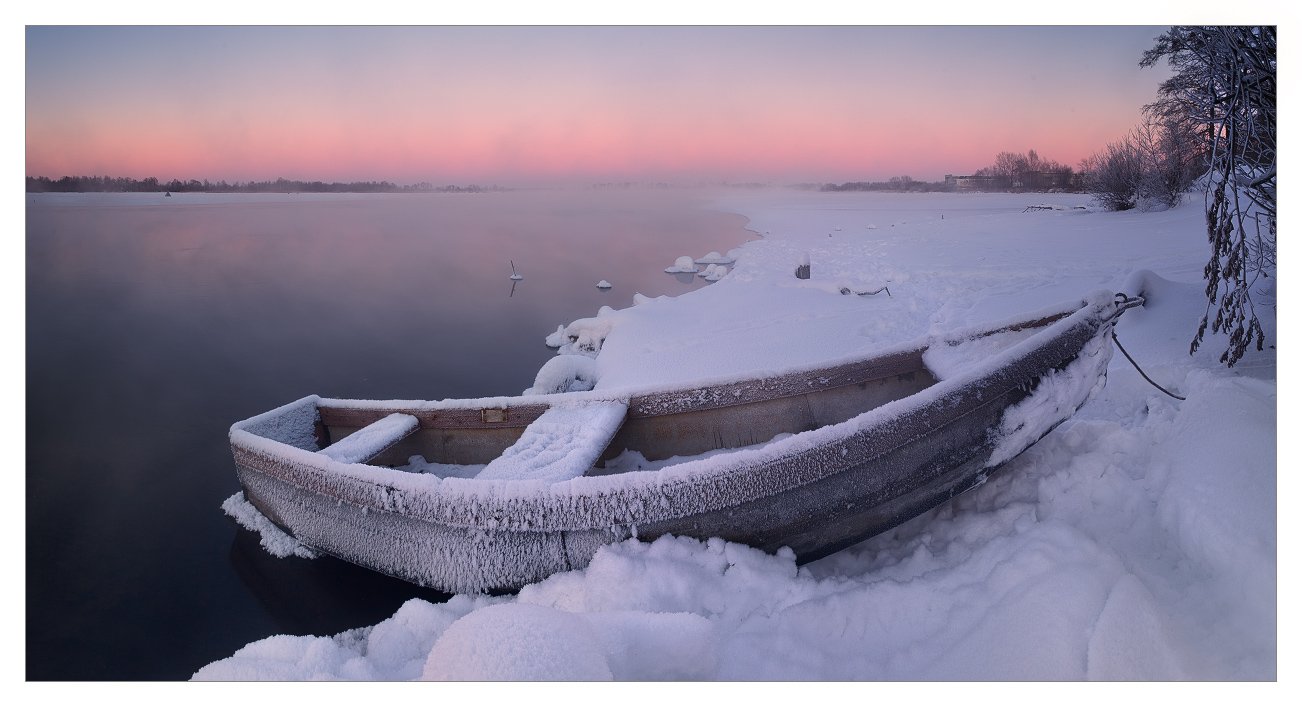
<point>604,285</point>
<point>714,258</point>
<point>682,264</point>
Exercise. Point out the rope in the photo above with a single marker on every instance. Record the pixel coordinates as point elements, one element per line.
<point>1141,371</point>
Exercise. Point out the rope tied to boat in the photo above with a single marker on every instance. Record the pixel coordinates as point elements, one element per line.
<point>1125,302</point>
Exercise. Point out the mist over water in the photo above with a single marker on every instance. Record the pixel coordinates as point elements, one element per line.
<point>154,323</point>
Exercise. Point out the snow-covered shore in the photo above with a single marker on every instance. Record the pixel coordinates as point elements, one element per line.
<point>1135,542</point>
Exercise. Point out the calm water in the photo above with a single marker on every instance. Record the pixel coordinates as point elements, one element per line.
<point>153,324</point>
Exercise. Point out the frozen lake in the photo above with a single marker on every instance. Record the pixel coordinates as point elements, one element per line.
<point>154,323</point>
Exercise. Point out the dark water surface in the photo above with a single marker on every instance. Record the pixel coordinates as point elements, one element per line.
<point>154,323</point>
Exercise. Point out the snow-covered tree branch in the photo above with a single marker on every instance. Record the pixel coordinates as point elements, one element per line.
<point>1223,81</point>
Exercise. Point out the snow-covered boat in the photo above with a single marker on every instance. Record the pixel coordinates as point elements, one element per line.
<point>814,459</point>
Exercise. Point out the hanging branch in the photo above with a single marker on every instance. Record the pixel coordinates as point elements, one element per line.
<point>1224,79</point>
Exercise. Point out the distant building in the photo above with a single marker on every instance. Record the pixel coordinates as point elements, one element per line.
<point>972,182</point>
<point>1027,181</point>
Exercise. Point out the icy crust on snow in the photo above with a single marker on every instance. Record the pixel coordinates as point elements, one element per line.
<point>369,441</point>
<point>563,443</point>
<point>621,501</point>
<point>274,540</point>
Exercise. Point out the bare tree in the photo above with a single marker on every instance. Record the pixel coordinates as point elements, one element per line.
<point>1028,172</point>
<point>1114,176</point>
<point>1172,157</point>
<point>1224,82</point>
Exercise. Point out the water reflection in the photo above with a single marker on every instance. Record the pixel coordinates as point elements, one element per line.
<point>318,597</point>
<point>151,327</point>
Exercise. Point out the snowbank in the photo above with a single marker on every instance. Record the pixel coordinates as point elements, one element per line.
<point>1137,541</point>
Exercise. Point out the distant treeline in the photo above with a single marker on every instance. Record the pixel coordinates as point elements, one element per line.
<point>893,184</point>
<point>1011,172</point>
<point>151,184</point>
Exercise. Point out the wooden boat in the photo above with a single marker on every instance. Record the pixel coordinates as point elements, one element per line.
<point>861,446</point>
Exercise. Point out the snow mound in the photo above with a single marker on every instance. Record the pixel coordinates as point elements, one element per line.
<point>714,273</point>
<point>639,298</point>
<point>518,642</point>
<point>684,264</point>
<point>715,258</point>
<point>394,649</point>
<point>565,373</point>
<point>585,336</point>
<point>604,285</point>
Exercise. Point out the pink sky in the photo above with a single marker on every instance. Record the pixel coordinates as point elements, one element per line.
<point>520,105</point>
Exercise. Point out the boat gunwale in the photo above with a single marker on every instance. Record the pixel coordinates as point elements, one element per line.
<point>691,398</point>
<point>640,398</point>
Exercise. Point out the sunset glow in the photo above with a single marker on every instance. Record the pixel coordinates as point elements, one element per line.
<point>519,105</point>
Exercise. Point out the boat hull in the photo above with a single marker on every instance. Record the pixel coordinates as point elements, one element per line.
<point>816,493</point>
